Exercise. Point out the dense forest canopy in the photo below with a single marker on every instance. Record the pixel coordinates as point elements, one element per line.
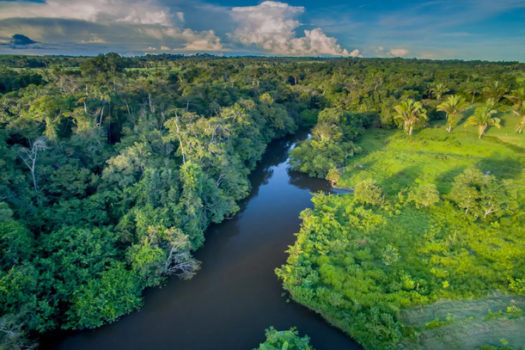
<point>112,167</point>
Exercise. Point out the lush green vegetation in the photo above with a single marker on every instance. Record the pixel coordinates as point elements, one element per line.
<point>428,252</point>
<point>112,168</point>
<point>110,174</point>
<point>284,340</point>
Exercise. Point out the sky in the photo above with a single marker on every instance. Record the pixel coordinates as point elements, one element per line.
<point>437,29</point>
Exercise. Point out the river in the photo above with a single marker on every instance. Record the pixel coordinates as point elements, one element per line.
<point>236,294</point>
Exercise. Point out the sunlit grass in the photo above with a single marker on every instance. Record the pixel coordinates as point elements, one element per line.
<point>432,155</point>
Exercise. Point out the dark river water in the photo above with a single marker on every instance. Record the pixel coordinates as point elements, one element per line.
<point>236,294</point>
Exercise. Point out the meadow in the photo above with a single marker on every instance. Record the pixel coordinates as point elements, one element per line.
<point>396,263</point>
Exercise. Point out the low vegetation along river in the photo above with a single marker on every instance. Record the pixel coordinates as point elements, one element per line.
<point>236,294</point>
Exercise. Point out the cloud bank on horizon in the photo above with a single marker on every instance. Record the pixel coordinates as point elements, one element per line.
<point>467,29</point>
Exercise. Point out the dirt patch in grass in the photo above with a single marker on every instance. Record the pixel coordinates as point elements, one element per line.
<point>468,324</point>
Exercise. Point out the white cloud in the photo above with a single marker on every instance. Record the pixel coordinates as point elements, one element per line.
<point>137,25</point>
<point>107,11</point>
<point>203,41</point>
<point>271,26</point>
<point>93,39</point>
<point>398,52</point>
<point>428,55</point>
<point>180,16</point>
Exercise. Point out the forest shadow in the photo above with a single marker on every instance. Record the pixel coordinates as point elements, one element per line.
<point>402,179</point>
<point>445,180</point>
<point>503,168</point>
<point>465,115</point>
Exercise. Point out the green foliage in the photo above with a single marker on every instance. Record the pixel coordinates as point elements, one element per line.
<point>111,174</point>
<point>483,117</point>
<point>374,270</point>
<point>111,168</point>
<point>284,340</point>
<point>424,195</point>
<point>482,195</point>
<point>453,107</point>
<point>331,144</point>
<point>368,192</point>
<point>114,293</point>
<point>333,176</point>
<point>410,114</point>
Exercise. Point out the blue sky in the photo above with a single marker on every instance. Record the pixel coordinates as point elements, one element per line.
<point>455,29</point>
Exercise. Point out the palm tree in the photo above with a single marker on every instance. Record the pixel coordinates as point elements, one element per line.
<point>438,90</point>
<point>473,90</point>
<point>520,112</point>
<point>483,117</point>
<point>517,97</point>
<point>495,91</point>
<point>410,112</point>
<point>452,107</point>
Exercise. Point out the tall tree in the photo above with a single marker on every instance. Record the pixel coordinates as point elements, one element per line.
<point>410,113</point>
<point>517,97</point>
<point>495,91</point>
<point>520,112</point>
<point>483,117</point>
<point>438,90</point>
<point>30,155</point>
<point>452,107</point>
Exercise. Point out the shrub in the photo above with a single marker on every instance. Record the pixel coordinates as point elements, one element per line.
<point>290,340</point>
<point>368,192</point>
<point>424,195</point>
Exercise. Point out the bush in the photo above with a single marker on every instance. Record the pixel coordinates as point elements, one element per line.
<point>290,340</point>
<point>368,192</point>
<point>333,176</point>
<point>482,195</point>
<point>424,195</point>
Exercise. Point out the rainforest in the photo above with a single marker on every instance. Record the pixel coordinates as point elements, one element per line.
<point>132,183</point>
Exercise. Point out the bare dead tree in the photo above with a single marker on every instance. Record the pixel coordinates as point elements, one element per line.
<point>180,262</point>
<point>30,155</point>
<point>180,139</point>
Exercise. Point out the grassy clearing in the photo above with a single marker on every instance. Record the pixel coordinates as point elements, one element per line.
<point>434,156</point>
<point>469,324</point>
<point>397,276</point>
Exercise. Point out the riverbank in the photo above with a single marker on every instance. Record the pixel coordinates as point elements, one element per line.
<point>236,295</point>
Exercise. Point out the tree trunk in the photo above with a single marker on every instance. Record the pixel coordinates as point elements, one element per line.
<point>481,130</point>
<point>151,107</point>
<point>180,139</point>
<point>101,116</point>
<point>34,179</point>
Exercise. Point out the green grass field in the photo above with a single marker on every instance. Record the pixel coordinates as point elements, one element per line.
<point>394,276</point>
<point>432,155</point>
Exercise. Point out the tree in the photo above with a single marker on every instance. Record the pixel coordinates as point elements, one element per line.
<point>452,107</point>
<point>30,155</point>
<point>368,192</point>
<point>179,261</point>
<point>483,117</point>
<point>438,90</point>
<point>410,113</point>
<point>333,176</point>
<point>520,112</point>
<point>424,195</point>
<point>285,340</point>
<point>517,97</point>
<point>481,195</point>
<point>114,293</point>
<point>495,91</point>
